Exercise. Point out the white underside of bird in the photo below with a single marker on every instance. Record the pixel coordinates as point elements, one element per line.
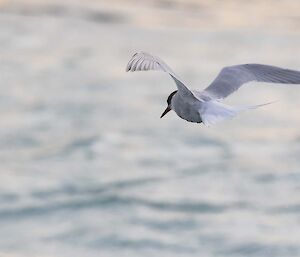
<point>206,106</point>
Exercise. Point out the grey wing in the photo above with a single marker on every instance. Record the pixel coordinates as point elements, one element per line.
<point>232,78</point>
<point>143,62</point>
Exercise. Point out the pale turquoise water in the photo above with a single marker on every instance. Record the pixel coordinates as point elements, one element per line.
<point>89,169</point>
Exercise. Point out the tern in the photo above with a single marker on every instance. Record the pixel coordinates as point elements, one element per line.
<point>206,106</point>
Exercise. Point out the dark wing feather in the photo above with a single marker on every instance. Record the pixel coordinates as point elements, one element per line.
<point>143,62</point>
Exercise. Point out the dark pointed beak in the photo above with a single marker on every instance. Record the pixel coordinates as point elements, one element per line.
<point>166,111</point>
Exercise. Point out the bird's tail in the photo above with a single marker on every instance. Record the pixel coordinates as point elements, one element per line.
<point>249,107</point>
<point>213,112</point>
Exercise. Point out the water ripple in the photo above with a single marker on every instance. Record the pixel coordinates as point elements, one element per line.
<point>112,201</point>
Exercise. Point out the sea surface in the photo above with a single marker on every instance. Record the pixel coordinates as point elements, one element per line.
<point>89,169</point>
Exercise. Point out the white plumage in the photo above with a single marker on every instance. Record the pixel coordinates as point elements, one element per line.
<point>206,106</point>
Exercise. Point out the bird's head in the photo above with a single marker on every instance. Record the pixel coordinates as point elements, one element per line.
<point>169,107</point>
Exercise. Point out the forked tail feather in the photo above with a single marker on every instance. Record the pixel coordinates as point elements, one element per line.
<point>213,112</point>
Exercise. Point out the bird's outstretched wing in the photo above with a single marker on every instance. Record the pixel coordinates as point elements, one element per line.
<point>232,78</point>
<point>143,62</point>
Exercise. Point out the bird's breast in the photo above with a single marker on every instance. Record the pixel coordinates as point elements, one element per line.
<point>187,110</point>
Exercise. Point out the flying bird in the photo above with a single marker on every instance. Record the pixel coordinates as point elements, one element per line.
<point>206,106</point>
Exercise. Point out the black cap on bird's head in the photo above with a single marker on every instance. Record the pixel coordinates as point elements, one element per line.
<point>169,104</point>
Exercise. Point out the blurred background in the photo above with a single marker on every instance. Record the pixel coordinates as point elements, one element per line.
<point>89,169</point>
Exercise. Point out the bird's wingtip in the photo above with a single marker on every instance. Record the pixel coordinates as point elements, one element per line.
<point>128,67</point>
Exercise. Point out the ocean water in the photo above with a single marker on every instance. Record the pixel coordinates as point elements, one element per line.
<point>89,169</point>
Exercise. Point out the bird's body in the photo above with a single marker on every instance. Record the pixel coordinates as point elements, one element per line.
<point>187,110</point>
<point>206,106</point>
